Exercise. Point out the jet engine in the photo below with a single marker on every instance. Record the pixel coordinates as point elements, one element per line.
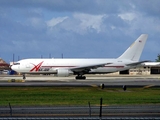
<point>63,72</point>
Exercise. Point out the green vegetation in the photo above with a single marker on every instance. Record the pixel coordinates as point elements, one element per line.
<point>158,58</point>
<point>77,96</point>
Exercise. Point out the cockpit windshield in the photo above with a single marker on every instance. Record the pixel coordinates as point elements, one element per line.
<point>16,64</point>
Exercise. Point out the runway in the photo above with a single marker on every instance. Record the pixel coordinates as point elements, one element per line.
<point>81,112</point>
<point>111,81</point>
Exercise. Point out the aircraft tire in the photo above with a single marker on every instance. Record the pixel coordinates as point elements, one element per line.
<point>83,77</point>
<point>80,77</point>
<point>24,77</point>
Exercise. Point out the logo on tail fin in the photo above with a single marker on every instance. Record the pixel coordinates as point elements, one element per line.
<point>140,41</point>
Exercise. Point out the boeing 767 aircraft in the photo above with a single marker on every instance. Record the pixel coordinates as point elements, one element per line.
<point>80,67</point>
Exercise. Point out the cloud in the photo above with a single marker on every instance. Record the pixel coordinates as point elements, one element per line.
<point>84,23</point>
<point>55,21</point>
<point>127,16</point>
<point>90,21</point>
<point>76,28</point>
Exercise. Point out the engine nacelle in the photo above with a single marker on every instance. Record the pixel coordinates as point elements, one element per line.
<point>63,72</point>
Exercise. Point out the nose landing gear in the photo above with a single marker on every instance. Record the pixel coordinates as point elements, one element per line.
<point>24,77</point>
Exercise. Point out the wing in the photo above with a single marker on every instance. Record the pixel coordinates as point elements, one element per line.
<point>137,63</point>
<point>88,68</point>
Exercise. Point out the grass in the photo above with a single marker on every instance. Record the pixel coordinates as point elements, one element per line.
<point>77,96</point>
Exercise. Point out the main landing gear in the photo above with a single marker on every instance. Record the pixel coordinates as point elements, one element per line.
<point>80,77</point>
<point>24,77</point>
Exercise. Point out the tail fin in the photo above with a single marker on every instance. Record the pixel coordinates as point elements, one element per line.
<point>135,50</point>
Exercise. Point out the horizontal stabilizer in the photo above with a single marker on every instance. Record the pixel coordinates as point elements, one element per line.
<point>137,63</point>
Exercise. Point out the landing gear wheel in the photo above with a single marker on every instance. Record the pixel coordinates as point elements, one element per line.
<point>81,77</point>
<point>77,77</point>
<point>24,77</point>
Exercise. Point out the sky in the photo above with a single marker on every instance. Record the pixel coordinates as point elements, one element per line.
<point>77,28</point>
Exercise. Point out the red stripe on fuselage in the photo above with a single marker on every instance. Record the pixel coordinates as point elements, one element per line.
<point>78,66</point>
<point>59,66</point>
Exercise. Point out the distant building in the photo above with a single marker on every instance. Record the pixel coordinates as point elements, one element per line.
<point>4,65</point>
<point>148,68</point>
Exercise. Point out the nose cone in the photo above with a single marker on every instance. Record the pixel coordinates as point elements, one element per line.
<point>14,67</point>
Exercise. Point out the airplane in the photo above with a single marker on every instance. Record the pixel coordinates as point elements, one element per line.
<point>66,67</point>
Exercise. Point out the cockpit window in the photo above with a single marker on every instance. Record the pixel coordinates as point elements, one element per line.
<point>16,64</point>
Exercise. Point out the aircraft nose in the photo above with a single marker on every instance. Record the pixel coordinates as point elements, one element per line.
<point>14,67</point>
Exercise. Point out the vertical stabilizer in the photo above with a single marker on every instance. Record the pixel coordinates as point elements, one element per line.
<point>135,50</point>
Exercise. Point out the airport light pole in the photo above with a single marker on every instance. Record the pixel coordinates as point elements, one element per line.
<point>13,58</point>
<point>100,112</point>
<point>62,55</point>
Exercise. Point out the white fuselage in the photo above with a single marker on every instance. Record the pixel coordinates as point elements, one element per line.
<point>51,65</point>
